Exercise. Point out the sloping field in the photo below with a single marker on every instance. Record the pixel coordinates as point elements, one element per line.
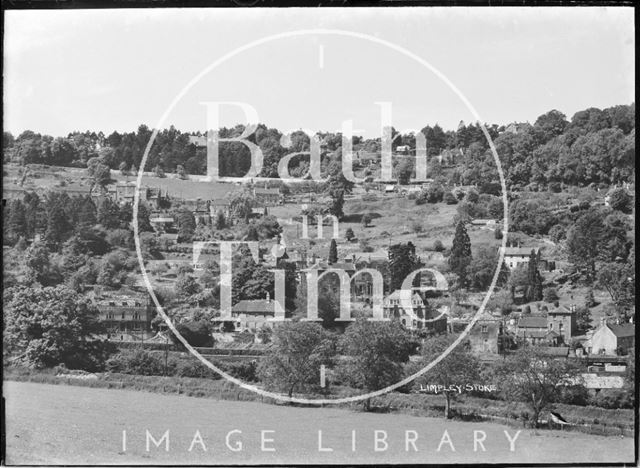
<point>78,425</point>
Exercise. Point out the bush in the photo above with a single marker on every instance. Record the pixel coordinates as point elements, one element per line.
<point>555,187</point>
<point>557,233</point>
<point>137,361</point>
<point>497,233</point>
<point>450,198</point>
<point>435,193</point>
<point>613,398</point>
<point>620,200</point>
<point>192,368</point>
<point>349,235</point>
<point>438,246</point>
<point>472,196</point>
<point>243,370</point>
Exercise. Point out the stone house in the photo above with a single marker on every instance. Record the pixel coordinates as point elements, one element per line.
<point>484,337</point>
<point>562,320</point>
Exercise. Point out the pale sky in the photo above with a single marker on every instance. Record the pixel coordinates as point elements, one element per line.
<point>108,70</point>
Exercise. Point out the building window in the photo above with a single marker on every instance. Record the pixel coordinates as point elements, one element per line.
<point>484,329</point>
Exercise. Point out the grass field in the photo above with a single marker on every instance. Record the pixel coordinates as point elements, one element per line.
<point>77,425</point>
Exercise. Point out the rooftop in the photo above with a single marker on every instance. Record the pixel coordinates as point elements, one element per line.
<point>533,321</point>
<point>396,295</point>
<point>520,251</point>
<point>257,306</point>
<point>623,331</point>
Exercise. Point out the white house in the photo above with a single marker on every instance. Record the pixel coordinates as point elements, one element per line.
<point>613,339</point>
<point>514,256</point>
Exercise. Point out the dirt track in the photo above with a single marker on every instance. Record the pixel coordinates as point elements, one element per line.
<point>78,425</point>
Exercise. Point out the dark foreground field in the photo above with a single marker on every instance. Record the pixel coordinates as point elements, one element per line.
<point>78,425</point>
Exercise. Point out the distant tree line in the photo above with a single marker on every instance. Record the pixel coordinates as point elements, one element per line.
<point>595,146</point>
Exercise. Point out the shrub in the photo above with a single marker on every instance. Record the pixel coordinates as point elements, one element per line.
<point>137,361</point>
<point>243,370</point>
<point>193,368</point>
<point>620,200</point>
<point>557,233</point>
<point>438,246</point>
<point>434,194</point>
<point>497,233</point>
<point>416,226</point>
<point>472,196</point>
<point>349,235</point>
<point>450,198</point>
<point>366,219</point>
<point>555,187</point>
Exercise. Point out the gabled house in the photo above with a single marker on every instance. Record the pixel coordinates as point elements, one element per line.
<point>534,330</point>
<point>613,339</point>
<point>514,256</point>
<point>420,317</point>
<point>254,314</point>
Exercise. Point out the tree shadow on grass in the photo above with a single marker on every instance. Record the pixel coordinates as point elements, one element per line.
<point>357,217</point>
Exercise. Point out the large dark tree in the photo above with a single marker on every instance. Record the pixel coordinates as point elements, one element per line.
<point>534,279</point>
<point>460,256</point>
<point>50,326</point>
<point>333,252</point>
<point>186,225</point>
<point>402,261</point>
<point>596,237</point>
